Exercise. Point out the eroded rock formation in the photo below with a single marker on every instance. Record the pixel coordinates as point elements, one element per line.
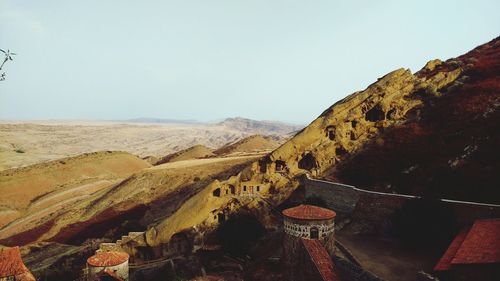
<point>345,129</point>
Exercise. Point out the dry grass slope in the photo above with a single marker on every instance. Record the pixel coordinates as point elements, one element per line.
<point>194,152</point>
<point>251,144</point>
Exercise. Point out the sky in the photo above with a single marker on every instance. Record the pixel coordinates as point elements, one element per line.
<point>207,60</point>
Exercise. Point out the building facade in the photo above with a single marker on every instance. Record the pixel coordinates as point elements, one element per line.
<point>306,225</point>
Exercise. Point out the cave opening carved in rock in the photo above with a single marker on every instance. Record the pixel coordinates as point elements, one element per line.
<point>308,162</point>
<point>216,192</point>
<point>263,164</point>
<point>375,114</point>
<point>280,165</point>
<point>330,132</point>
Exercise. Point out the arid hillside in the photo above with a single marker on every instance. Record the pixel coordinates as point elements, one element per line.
<point>434,132</point>
<point>251,144</point>
<point>255,144</point>
<point>193,152</point>
<point>259,127</point>
<point>447,147</point>
<point>44,188</point>
<point>462,93</point>
<point>107,208</point>
<point>26,143</point>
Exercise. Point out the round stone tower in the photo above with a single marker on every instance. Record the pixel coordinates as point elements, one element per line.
<point>306,222</point>
<point>108,265</point>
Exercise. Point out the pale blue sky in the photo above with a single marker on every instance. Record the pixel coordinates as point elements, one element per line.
<point>274,60</point>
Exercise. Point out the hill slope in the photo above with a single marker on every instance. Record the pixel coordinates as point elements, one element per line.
<point>41,186</point>
<point>448,146</point>
<point>194,152</point>
<point>259,127</point>
<point>113,209</point>
<point>463,93</point>
<point>23,143</point>
<point>251,144</point>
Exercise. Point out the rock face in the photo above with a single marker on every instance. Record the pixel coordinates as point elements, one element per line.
<point>447,147</point>
<point>108,207</point>
<point>448,99</point>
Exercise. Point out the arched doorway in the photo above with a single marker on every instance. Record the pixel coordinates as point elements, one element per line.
<point>314,233</point>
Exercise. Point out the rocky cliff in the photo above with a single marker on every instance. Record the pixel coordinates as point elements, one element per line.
<point>438,122</point>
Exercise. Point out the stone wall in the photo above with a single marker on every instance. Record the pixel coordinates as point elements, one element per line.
<point>339,197</point>
<point>377,207</point>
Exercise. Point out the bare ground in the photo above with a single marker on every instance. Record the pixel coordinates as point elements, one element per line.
<point>386,258</point>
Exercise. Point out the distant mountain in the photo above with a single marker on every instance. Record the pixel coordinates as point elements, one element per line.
<point>260,127</point>
<point>161,121</point>
<point>34,142</point>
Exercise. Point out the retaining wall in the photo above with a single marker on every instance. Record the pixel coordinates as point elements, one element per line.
<point>378,206</point>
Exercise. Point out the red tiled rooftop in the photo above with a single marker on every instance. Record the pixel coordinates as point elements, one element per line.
<point>11,263</point>
<point>321,259</point>
<point>481,245</point>
<point>107,259</point>
<point>445,261</point>
<point>27,276</point>
<point>309,212</point>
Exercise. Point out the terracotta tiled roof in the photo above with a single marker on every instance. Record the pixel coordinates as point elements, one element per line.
<point>481,245</point>
<point>321,259</point>
<point>27,276</point>
<point>308,212</point>
<point>11,263</point>
<point>445,261</point>
<point>107,259</point>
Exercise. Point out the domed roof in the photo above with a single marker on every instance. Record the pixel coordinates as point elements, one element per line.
<point>107,259</point>
<point>309,212</point>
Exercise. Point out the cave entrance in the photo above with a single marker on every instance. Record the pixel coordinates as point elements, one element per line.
<point>216,192</point>
<point>330,132</point>
<point>263,164</point>
<point>239,234</point>
<point>375,114</point>
<point>280,165</point>
<point>308,162</point>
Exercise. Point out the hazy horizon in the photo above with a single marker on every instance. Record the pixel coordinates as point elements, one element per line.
<point>140,120</point>
<point>205,61</point>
